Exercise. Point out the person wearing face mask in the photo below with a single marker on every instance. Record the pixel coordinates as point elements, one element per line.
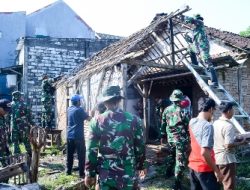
<point>174,126</point>
<point>204,174</point>
<point>5,108</point>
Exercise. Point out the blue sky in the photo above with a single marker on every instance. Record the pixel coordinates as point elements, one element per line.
<point>124,17</point>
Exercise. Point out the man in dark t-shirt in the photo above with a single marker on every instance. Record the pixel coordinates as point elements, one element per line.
<point>75,134</point>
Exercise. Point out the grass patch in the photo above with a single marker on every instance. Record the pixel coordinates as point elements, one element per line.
<point>52,182</point>
<point>43,172</point>
<point>53,166</point>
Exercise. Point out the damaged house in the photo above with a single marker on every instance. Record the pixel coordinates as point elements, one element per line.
<point>152,62</point>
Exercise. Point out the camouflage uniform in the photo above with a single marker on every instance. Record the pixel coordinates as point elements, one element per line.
<point>47,102</point>
<point>175,125</point>
<point>4,147</point>
<point>200,44</point>
<point>20,123</point>
<point>4,134</point>
<point>117,137</point>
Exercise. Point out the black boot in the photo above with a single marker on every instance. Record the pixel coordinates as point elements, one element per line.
<point>193,58</point>
<point>177,185</point>
<point>169,174</point>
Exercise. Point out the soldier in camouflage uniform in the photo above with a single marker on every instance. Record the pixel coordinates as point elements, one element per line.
<point>5,107</point>
<point>20,123</point>
<point>117,137</point>
<point>175,126</point>
<point>200,45</point>
<point>47,101</point>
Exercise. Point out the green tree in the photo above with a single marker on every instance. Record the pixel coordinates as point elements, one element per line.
<point>246,33</point>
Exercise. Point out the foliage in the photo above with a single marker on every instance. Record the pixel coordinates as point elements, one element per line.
<point>53,150</point>
<point>243,185</point>
<point>22,148</point>
<point>246,33</point>
<point>43,172</point>
<point>243,170</point>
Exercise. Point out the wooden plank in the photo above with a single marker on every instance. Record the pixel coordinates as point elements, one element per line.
<point>88,95</point>
<point>124,84</point>
<point>12,170</point>
<point>137,86</point>
<point>145,112</point>
<point>156,37</point>
<point>100,84</point>
<point>167,77</point>
<point>172,41</point>
<point>150,87</point>
<point>149,64</point>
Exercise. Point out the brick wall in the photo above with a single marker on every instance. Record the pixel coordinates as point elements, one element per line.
<point>236,81</point>
<point>53,56</point>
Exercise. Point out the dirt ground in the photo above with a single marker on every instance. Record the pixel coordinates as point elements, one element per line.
<point>52,173</point>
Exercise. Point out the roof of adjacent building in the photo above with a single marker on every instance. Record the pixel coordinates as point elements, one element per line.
<point>230,38</point>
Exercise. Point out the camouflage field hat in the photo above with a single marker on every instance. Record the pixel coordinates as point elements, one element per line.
<point>110,92</point>
<point>176,95</point>
<point>17,94</point>
<point>199,17</point>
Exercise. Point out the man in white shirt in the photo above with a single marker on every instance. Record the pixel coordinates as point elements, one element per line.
<point>224,145</point>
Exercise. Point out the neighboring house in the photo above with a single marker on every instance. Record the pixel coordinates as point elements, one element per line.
<point>52,40</point>
<point>12,27</point>
<point>54,57</point>
<point>150,63</point>
<point>57,20</point>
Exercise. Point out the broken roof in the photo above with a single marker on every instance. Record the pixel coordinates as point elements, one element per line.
<point>143,48</point>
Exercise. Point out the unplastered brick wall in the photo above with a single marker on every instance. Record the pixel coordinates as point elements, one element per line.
<point>236,81</point>
<point>54,56</point>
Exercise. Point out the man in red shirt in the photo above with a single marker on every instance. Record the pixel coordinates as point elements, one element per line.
<point>204,174</point>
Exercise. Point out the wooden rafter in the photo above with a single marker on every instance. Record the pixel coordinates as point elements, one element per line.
<point>100,83</point>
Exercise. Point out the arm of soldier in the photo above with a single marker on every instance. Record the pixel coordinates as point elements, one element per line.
<point>186,118</point>
<point>140,148</point>
<point>92,145</point>
<point>29,116</point>
<point>164,125</point>
<point>189,20</point>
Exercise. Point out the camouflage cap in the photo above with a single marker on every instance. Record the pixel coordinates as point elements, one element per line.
<point>16,94</point>
<point>199,17</point>
<point>110,92</point>
<point>176,95</point>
